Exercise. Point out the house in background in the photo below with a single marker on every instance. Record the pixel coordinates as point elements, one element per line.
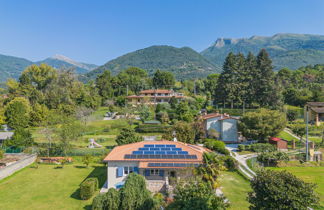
<point>153,97</point>
<point>157,161</point>
<point>279,143</point>
<point>315,112</point>
<point>223,124</point>
<point>5,136</point>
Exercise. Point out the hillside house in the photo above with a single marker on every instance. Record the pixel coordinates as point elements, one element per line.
<point>223,124</point>
<point>153,97</point>
<point>157,161</point>
<point>315,112</point>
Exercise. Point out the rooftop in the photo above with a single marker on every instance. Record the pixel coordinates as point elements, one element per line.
<point>312,104</point>
<point>155,91</point>
<point>162,151</point>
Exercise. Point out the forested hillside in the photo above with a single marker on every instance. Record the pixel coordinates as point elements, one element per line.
<point>183,62</point>
<point>11,67</point>
<point>286,50</point>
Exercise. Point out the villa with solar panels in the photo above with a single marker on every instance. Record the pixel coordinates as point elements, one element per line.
<point>157,161</point>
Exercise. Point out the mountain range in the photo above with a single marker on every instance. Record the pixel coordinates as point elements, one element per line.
<point>285,49</point>
<point>11,67</point>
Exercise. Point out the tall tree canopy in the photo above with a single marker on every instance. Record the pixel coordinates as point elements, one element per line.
<point>281,190</point>
<point>163,79</point>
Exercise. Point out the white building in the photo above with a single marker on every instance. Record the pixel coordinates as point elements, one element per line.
<point>157,161</point>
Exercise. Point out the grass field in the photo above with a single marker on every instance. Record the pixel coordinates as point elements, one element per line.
<point>235,188</point>
<point>48,187</point>
<point>309,174</point>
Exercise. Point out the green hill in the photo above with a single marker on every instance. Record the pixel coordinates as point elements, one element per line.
<point>286,50</point>
<point>11,67</point>
<point>183,62</point>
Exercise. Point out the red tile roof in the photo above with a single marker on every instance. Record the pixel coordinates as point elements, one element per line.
<point>155,91</point>
<point>118,153</point>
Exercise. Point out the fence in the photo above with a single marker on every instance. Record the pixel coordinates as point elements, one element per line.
<point>20,164</point>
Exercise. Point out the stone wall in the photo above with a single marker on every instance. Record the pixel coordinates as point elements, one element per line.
<point>20,164</point>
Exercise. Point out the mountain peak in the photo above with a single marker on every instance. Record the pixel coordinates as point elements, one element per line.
<point>65,59</point>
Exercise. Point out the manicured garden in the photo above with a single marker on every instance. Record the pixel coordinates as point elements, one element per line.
<point>48,187</point>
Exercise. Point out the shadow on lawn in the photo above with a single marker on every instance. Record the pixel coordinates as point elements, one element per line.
<point>98,172</point>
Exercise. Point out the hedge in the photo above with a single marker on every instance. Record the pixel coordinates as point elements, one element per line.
<point>88,151</point>
<point>149,128</point>
<point>88,188</point>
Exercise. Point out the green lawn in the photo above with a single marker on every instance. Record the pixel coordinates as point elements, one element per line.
<point>235,188</point>
<point>309,174</point>
<point>286,136</point>
<point>48,187</point>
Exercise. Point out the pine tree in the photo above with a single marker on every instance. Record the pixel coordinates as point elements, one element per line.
<point>225,91</point>
<point>251,76</point>
<point>265,80</point>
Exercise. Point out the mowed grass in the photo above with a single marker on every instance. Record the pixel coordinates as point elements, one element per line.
<point>48,187</point>
<point>235,188</point>
<point>309,174</point>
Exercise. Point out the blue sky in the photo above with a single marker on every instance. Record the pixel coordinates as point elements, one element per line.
<point>97,31</point>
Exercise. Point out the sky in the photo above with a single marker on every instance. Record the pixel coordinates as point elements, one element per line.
<point>95,31</point>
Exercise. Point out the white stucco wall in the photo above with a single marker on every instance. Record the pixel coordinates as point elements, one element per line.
<point>229,130</point>
<point>213,123</point>
<point>112,178</point>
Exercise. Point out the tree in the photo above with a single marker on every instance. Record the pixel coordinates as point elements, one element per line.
<point>21,138</point>
<point>196,195</point>
<point>104,85</point>
<point>292,115</point>
<point>281,190</point>
<point>184,112</point>
<point>144,113</point>
<point>17,112</point>
<point>128,136</point>
<point>87,159</point>
<point>211,169</point>
<point>299,130</point>
<point>69,131</point>
<point>226,85</point>
<point>262,124</point>
<point>38,114</point>
<point>134,194</point>
<point>266,92</point>
<point>249,79</point>
<point>109,200</point>
<point>163,79</point>
<point>184,132</point>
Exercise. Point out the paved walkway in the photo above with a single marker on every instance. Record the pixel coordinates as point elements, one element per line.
<point>241,159</point>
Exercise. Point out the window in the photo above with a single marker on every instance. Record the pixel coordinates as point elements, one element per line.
<point>154,172</point>
<point>128,170</point>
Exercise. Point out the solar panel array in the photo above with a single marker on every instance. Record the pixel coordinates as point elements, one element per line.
<point>160,151</point>
<point>173,164</point>
<point>160,157</point>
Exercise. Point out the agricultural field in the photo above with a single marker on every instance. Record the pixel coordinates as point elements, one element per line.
<point>48,187</point>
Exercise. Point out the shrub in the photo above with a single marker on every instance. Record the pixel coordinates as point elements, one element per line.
<point>99,202</point>
<point>1,153</point>
<point>88,188</point>
<point>230,163</point>
<point>87,151</point>
<point>147,128</point>
<point>217,146</point>
<point>241,147</point>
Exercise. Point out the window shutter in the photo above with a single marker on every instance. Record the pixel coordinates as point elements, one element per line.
<point>147,172</point>
<point>120,171</point>
<point>161,173</point>
<point>136,170</point>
